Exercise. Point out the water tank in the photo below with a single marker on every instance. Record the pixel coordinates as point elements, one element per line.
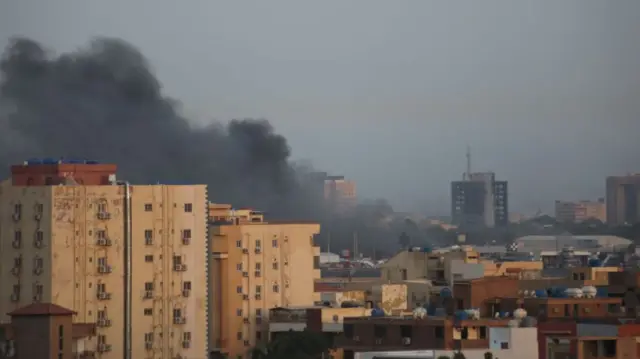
<point>377,312</point>
<point>574,293</point>
<point>445,293</point>
<point>419,313</point>
<point>461,315</point>
<point>595,262</point>
<point>431,309</point>
<point>440,312</point>
<point>529,322</point>
<point>519,313</point>
<point>514,323</point>
<point>541,293</point>
<point>504,314</point>
<point>49,161</point>
<point>473,314</point>
<point>602,292</point>
<point>589,291</point>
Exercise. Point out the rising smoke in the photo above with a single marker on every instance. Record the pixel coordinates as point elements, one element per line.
<point>102,102</point>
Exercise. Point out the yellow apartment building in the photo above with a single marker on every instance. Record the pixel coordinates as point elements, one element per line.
<point>131,259</point>
<point>255,266</point>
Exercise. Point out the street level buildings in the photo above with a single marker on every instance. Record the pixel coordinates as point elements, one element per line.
<point>127,258</point>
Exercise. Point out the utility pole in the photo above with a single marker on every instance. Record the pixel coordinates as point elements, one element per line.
<point>329,242</point>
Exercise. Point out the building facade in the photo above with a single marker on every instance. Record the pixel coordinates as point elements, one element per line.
<point>256,266</point>
<point>128,258</point>
<point>622,199</point>
<point>480,201</point>
<point>576,212</point>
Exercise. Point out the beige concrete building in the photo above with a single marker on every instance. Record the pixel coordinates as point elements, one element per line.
<point>576,212</point>
<point>130,259</point>
<point>255,266</point>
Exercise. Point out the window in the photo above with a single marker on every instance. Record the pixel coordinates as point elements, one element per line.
<point>39,236</point>
<point>258,335</point>
<point>275,265</point>
<point>177,313</point>
<point>102,207</point>
<point>148,237</point>
<point>39,208</point>
<point>239,335</point>
<point>258,289</point>
<point>504,345</point>
<point>38,262</point>
<point>102,262</point>
<point>239,289</point>
<point>16,289</point>
<point>186,336</point>
<point>188,207</point>
<point>186,234</point>
<point>17,262</point>
<point>186,285</point>
<point>148,286</point>
<point>148,207</point>
<point>101,234</point>
<point>276,288</point>
<point>348,330</point>
<point>439,332</point>
<point>258,312</point>
<point>379,331</point>
<point>148,311</point>
<point>406,331</point>
<point>258,266</point>
<point>483,333</point>
<point>17,210</point>
<point>148,258</point>
<point>148,337</point>
<point>177,260</point>
<point>239,312</point>
<point>102,339</point>
<point>60,337</point>
<point>274,243</point>
<point>258,244</point>
<point>239,266</point>
<point>102,288</point>
<point>102,314</point>
<point>17,236</point>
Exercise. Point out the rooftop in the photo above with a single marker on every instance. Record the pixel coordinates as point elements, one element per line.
<point>41,309</point>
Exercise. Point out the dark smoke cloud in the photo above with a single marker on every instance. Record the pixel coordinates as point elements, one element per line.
<point>103,102</point>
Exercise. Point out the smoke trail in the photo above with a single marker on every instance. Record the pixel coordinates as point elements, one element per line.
<point>102,102</point>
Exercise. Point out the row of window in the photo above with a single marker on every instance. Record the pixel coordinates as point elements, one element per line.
<point>100,235</point>
<point>101,207</point>
<point>258,244</point>
<point>275,288</point>
<point>188,207</point>
<point>240,336</point>
<point>149,338</point>
<point>258,266</point>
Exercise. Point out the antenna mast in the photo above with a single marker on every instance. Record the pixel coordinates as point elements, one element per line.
<point>467,175</point>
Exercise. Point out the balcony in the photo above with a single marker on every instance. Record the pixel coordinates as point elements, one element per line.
<point>104,269</point>
<point>103,323</point>
<point>104,242</point>
<point>179,320</point>
<point>180,267</point>
<point>103,295</point>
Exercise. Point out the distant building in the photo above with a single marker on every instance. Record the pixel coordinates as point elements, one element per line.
<point>255,266</point>
<point>338,192</point>
<point>623,206</point>
<point>576,212</point>
<point>480,201</point>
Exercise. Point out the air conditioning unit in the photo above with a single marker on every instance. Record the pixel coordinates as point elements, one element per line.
<point>16,216</point>
<point>186,293</point>
<point>179,267</point>
<point>104,296</point>
<point>104,322</point>
<point>38,243</point>
<point>258,250</point>
<point>37,270</point>
<point>406,341</point>
<point>104,215</point>
<point>105,242</point>
<point>15,271</point>
<point>245,320</point>
<point>179,320</point>
<point>245,274</point>
<point>15,297</point>
<point>186,344</point>
<point>245,251</point>
<point>148,345</point>
<point>258,274</point>
<point>37,216</point>
<point>258,297</point>
<point>245,297</point>
<point>148,294</point>
<point>16,243</point>
<point>186,241</point>
<point>104,269</point>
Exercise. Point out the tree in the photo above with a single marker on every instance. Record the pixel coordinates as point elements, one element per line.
<point>459,355</point>
<point>444,357</point>
<point>294,345</point>
<point>488,355</point>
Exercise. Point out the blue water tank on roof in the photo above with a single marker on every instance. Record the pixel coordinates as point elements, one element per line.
<point>595,262</point>
<point>92,162</point>
<point>34,161</point>
<point>377,312</point>
<point>49,161</point>
<point>445,293</point>
<point>541,293</point>
<point>461,315</point>
<point>602,292</point>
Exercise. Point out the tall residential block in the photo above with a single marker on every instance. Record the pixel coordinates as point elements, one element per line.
<point>338,192</point>
<point>480,201</point>
<point>576,212</point>
<point>129,258</point>
<point>255,266</point>
<point>623,199</point>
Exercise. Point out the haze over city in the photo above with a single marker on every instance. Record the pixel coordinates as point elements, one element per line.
<point>389,94</point>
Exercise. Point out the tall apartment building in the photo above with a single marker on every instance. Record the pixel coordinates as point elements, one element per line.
<point>129,258</point>
<point>255,266</point>
<point>576,212</point>
<point>480,200</point>
<point>623,203</point>
<point>338,192</point>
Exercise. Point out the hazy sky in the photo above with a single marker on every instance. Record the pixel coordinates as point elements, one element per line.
<point>389,93</point>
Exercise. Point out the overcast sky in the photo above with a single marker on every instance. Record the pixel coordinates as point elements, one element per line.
<point>389,93</point>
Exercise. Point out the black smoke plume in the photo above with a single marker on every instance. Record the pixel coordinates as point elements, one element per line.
<point>103,102</point>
